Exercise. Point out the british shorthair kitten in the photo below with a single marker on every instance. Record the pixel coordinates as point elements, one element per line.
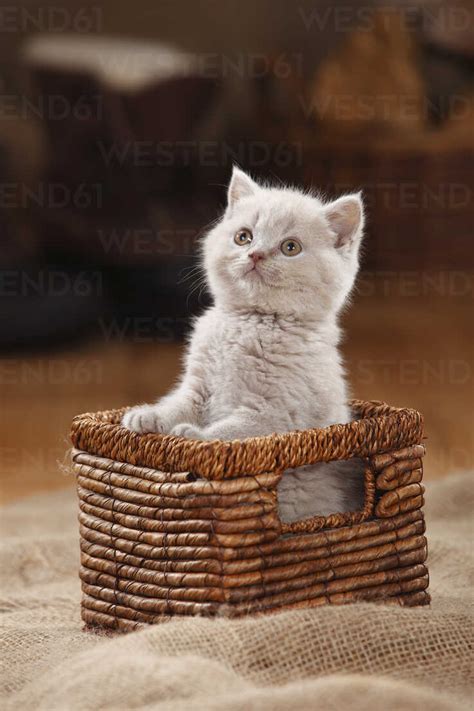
<point>264,358</point>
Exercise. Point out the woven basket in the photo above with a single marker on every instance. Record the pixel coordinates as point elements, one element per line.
<point>171,526</point>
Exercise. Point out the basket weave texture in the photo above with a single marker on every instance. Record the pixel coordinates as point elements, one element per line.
<point>171,526</point>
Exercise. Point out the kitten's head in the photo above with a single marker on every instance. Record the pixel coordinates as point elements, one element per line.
<point>278,250</point>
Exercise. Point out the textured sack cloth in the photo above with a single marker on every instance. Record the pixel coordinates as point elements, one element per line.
<point>362,656</point>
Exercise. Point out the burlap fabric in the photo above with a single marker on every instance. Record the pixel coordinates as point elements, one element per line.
<point>362,656</point>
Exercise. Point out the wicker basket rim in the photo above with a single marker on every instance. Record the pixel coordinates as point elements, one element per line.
<point>380,428</point>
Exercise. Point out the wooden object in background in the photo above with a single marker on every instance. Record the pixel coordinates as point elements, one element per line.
<point>372,85</point>
<point>123,126</point>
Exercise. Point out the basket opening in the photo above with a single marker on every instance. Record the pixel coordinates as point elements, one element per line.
<point>343,518</point>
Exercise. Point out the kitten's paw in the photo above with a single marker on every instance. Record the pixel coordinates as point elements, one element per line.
<point>143,419</point>
<point>187,430</point>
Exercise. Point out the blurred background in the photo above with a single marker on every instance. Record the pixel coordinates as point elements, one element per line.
<point>119,125</point>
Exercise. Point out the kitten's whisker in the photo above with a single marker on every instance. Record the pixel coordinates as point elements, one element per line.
<point>196,285</point>
<point>199,285</point>
<point>192,272</point>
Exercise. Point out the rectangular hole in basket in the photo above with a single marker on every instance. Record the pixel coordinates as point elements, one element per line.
<point>338,520</point>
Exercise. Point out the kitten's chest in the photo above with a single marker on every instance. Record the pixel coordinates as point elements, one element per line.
<point>255,356</point>
<point>283,371</point>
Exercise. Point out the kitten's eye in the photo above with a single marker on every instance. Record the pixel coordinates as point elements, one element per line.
<point>243,237</point>
<point>291,247</point>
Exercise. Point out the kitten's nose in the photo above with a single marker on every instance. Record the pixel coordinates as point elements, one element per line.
<point>256,256</point>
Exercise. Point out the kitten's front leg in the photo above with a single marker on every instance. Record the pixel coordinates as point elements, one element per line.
<point>145,418</point>
<point>185,402</point>
<point>188,430</point>
<point>164,415</point>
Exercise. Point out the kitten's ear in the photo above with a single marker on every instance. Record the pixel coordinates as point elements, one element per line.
<point>240,186</point>
<point>346,219</point>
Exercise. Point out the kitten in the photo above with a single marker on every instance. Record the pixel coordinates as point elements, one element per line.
<point>264,358</point>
